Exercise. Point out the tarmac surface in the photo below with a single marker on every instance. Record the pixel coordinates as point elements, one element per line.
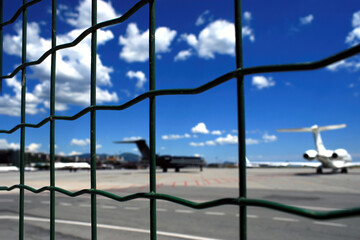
<point>130,220</point>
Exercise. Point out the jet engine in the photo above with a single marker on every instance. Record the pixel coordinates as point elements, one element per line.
<point>340,153</point>
<point>310,154</point>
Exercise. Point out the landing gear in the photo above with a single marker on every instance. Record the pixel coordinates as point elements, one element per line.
<point>319,170</point>
<point>344,170</point>
<point>164,169</point>
<point>177,169</point>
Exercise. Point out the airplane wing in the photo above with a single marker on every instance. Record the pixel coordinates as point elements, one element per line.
<point>295,130</point>
<point>305,164</point>
<point>311,129</point>
<point>352,164</point>
<point>332,127</point>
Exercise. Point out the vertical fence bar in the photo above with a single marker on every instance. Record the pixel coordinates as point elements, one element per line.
<point>52,122</point>
<point>152,118</point>
<point>1,42</point>
<point>22,134</point>
<point>93,121</point>
<point>241,120</point>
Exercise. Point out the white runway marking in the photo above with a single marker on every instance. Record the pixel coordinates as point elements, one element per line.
<point>183,211</point>
<point>330,224</point>
<point>106,226</point>
<point>6,200</point>
<point>285,219</point>
<point>84,205</point>
<point>45,202</point>
<point>161,210</point>
<point>215,213</point>
<point>131,208</point>
<point>65,204</point>
<point>108,207</point>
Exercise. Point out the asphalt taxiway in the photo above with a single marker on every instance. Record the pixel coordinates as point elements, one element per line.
<point>130,220</point>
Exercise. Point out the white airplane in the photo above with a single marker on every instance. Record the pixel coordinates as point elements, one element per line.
<point>338,159</point>
<point>71,166</point>
<point>9,169</point>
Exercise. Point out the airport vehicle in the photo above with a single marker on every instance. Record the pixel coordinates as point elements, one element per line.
<point>166,161</point>
<point>338,159</point>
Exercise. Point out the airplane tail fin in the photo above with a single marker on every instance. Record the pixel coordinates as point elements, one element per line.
<point>316,131</point>
<point>142,146</point>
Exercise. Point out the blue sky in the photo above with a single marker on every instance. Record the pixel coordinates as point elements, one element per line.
<point>195,44</point>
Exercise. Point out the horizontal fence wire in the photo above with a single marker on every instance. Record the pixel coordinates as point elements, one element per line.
<point>238,73</point>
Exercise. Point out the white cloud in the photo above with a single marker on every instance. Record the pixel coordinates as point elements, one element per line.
<point>73,71</point>
<point>204,17</point>
<point>269,138</point>
<point>183,55</point>
<point>353,37</point>
<point>139,76</point>
<point>218,37</point>
<point>194,144</point>
<point>175,136</point>
<point>247,16</point>
<point>307,19</point>
<point>351,65</point>
<point>80,142</point>
<point>81,18</point>
<point>200,128</point>
<point>261,82</point>
<point>251,141</point>
<point>4,144</point>
<point>216,132</point>
<point>210,143</point>
<point>33,147</point>
<point>136,44</point>
<point>229,139</point>
<point>74,153</point>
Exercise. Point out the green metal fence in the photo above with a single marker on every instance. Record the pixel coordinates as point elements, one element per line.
<point>238,73</point>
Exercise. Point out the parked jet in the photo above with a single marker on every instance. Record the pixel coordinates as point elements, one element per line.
<point>338,159</point>
<point>166,161</point>
<point>72,166</point>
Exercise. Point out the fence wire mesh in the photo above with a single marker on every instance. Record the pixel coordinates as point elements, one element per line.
<point>238,74</point>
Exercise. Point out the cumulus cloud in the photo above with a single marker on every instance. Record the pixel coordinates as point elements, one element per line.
<point>80,142</point>
<point>194,144</point>
<point>136,44</point>
<point>74,153</point>
<point>269,138</point>
<point>4,144</point>
<point>175,136</point>
<point>139,76</point>
<point>81,18</point>
<point>353,37</point>
<point>229,139</point>
<point>261,82</point>
<point>307,19</point>
<point>351,65</point>
<point>33,147</point>
<point>183,55</point>
<point>200,128</point>
<point>216,132</point>
<point>203,18</point>
<point>247,16</point>
<point>251,141</point>
<point>73,68</point>
<point>218,37</point>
